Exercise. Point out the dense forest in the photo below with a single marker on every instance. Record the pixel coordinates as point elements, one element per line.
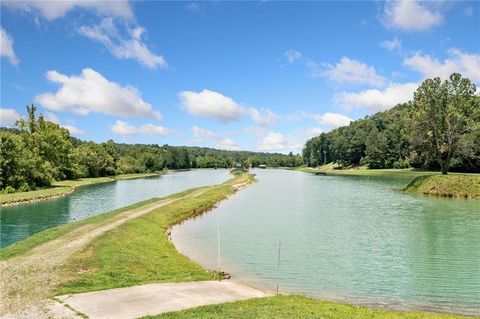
<point>438,130</point>
<point>37,152</point>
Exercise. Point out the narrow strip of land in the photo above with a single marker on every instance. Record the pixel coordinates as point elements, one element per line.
<point>61,188</point>
<point>152,299</point>
<point>30,277</point>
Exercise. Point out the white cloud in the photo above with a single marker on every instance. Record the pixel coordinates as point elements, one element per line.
<point>223,108</point>
<point>314,70</point>
<point>354,72</point>
<point>411,15</point>
<point>292,55</point>
<point>272,141</point>
<point>51,10</point>
<point>228,144</point>
<point>465,63</point>
<point>8,117</point>
<point>52,117</point>
<point>378,100</point>
<point>202,133</point>
<point>193,7</point>
<point>130,47</point>
<point>73,129</point>
<point>125,129</point>
<point>6,47</point>
<point>392,45</point>
<point>211,104</point>
<point>91,92</point>
<point>263,117</point>
<point>333,120</point>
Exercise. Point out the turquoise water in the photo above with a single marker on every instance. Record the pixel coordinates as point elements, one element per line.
<point>19,222</point>
<point>353,239</point>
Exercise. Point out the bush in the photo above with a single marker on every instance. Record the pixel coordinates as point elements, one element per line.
<point>24,188</point>
<point>9,190</point>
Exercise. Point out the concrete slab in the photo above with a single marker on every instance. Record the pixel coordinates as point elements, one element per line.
<point>152,299</point>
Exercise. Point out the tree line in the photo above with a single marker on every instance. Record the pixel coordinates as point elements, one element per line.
<point>37,152</point>
<point>438,130</point>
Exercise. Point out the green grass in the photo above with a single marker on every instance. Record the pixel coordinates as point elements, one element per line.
<point>458,185</point>
<point>139,251</point>
<point>133,176</point>
<point>24,246</point>
<point>408,173</point>
<point>291,307</point>
<point>58,188</point>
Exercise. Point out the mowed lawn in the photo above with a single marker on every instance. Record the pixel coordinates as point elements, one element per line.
<point>293,307</point>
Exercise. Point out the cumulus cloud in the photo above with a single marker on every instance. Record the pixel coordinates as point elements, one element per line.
<point>228,144</point>
<point>263,117</point>
<point>202,133</point>
<point>333,120</point>
<point>123,47</point>
<point>272,141</point>
<point>6,47</point>
<point>125,129</point>
<point>52,10</point>
<point>211,104</point>
<point>52,117</point>
<point>467,64</point>
<point>73,129</point>
<point>90,92</point>
<point>392,45</point>
<point>8,117</point>
<point>411,15</point>
<point>353,72</point>
<point>215,105</point>
<point>377,100</point>
<point>292,55</point>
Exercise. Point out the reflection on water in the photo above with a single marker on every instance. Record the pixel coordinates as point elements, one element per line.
<point>19,222</point>
<point>345,238</point>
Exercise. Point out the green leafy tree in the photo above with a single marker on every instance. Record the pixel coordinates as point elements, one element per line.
<point>442,115</point>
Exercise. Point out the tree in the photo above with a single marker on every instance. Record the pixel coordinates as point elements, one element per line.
<point>441,112</point>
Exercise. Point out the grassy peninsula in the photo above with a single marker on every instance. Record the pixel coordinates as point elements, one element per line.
<point>457,185</point>
<point>61,188</point>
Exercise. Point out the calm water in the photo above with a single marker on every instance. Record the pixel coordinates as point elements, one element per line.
<point>19,222</point>
<point>354,239</point>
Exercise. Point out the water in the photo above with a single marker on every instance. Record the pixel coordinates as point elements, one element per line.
<point>353,239</point>
<point>19,222</point>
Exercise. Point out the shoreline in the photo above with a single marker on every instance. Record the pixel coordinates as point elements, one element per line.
<point>180,198</point>
<point>71,188</point>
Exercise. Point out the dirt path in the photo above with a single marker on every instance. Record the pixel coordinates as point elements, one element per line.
<point>27,281</point>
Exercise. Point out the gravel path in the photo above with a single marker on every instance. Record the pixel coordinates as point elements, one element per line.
<point>27,281</point>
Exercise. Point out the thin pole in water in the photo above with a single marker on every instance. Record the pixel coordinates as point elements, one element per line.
<point>278,261</point>
<point>218,246</point>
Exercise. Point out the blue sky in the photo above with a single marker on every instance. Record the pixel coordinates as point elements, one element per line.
<point>261,76</point>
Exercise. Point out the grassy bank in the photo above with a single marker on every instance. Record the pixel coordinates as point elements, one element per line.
<point>416,181</point>
<point>24,246</point>
<point>61,188</point>
<point>408,173</point>
<point>140,251</point>
<point>133,176</point>
<point>57,189</point>
<point>287,307</point>
<point>458,185</point>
